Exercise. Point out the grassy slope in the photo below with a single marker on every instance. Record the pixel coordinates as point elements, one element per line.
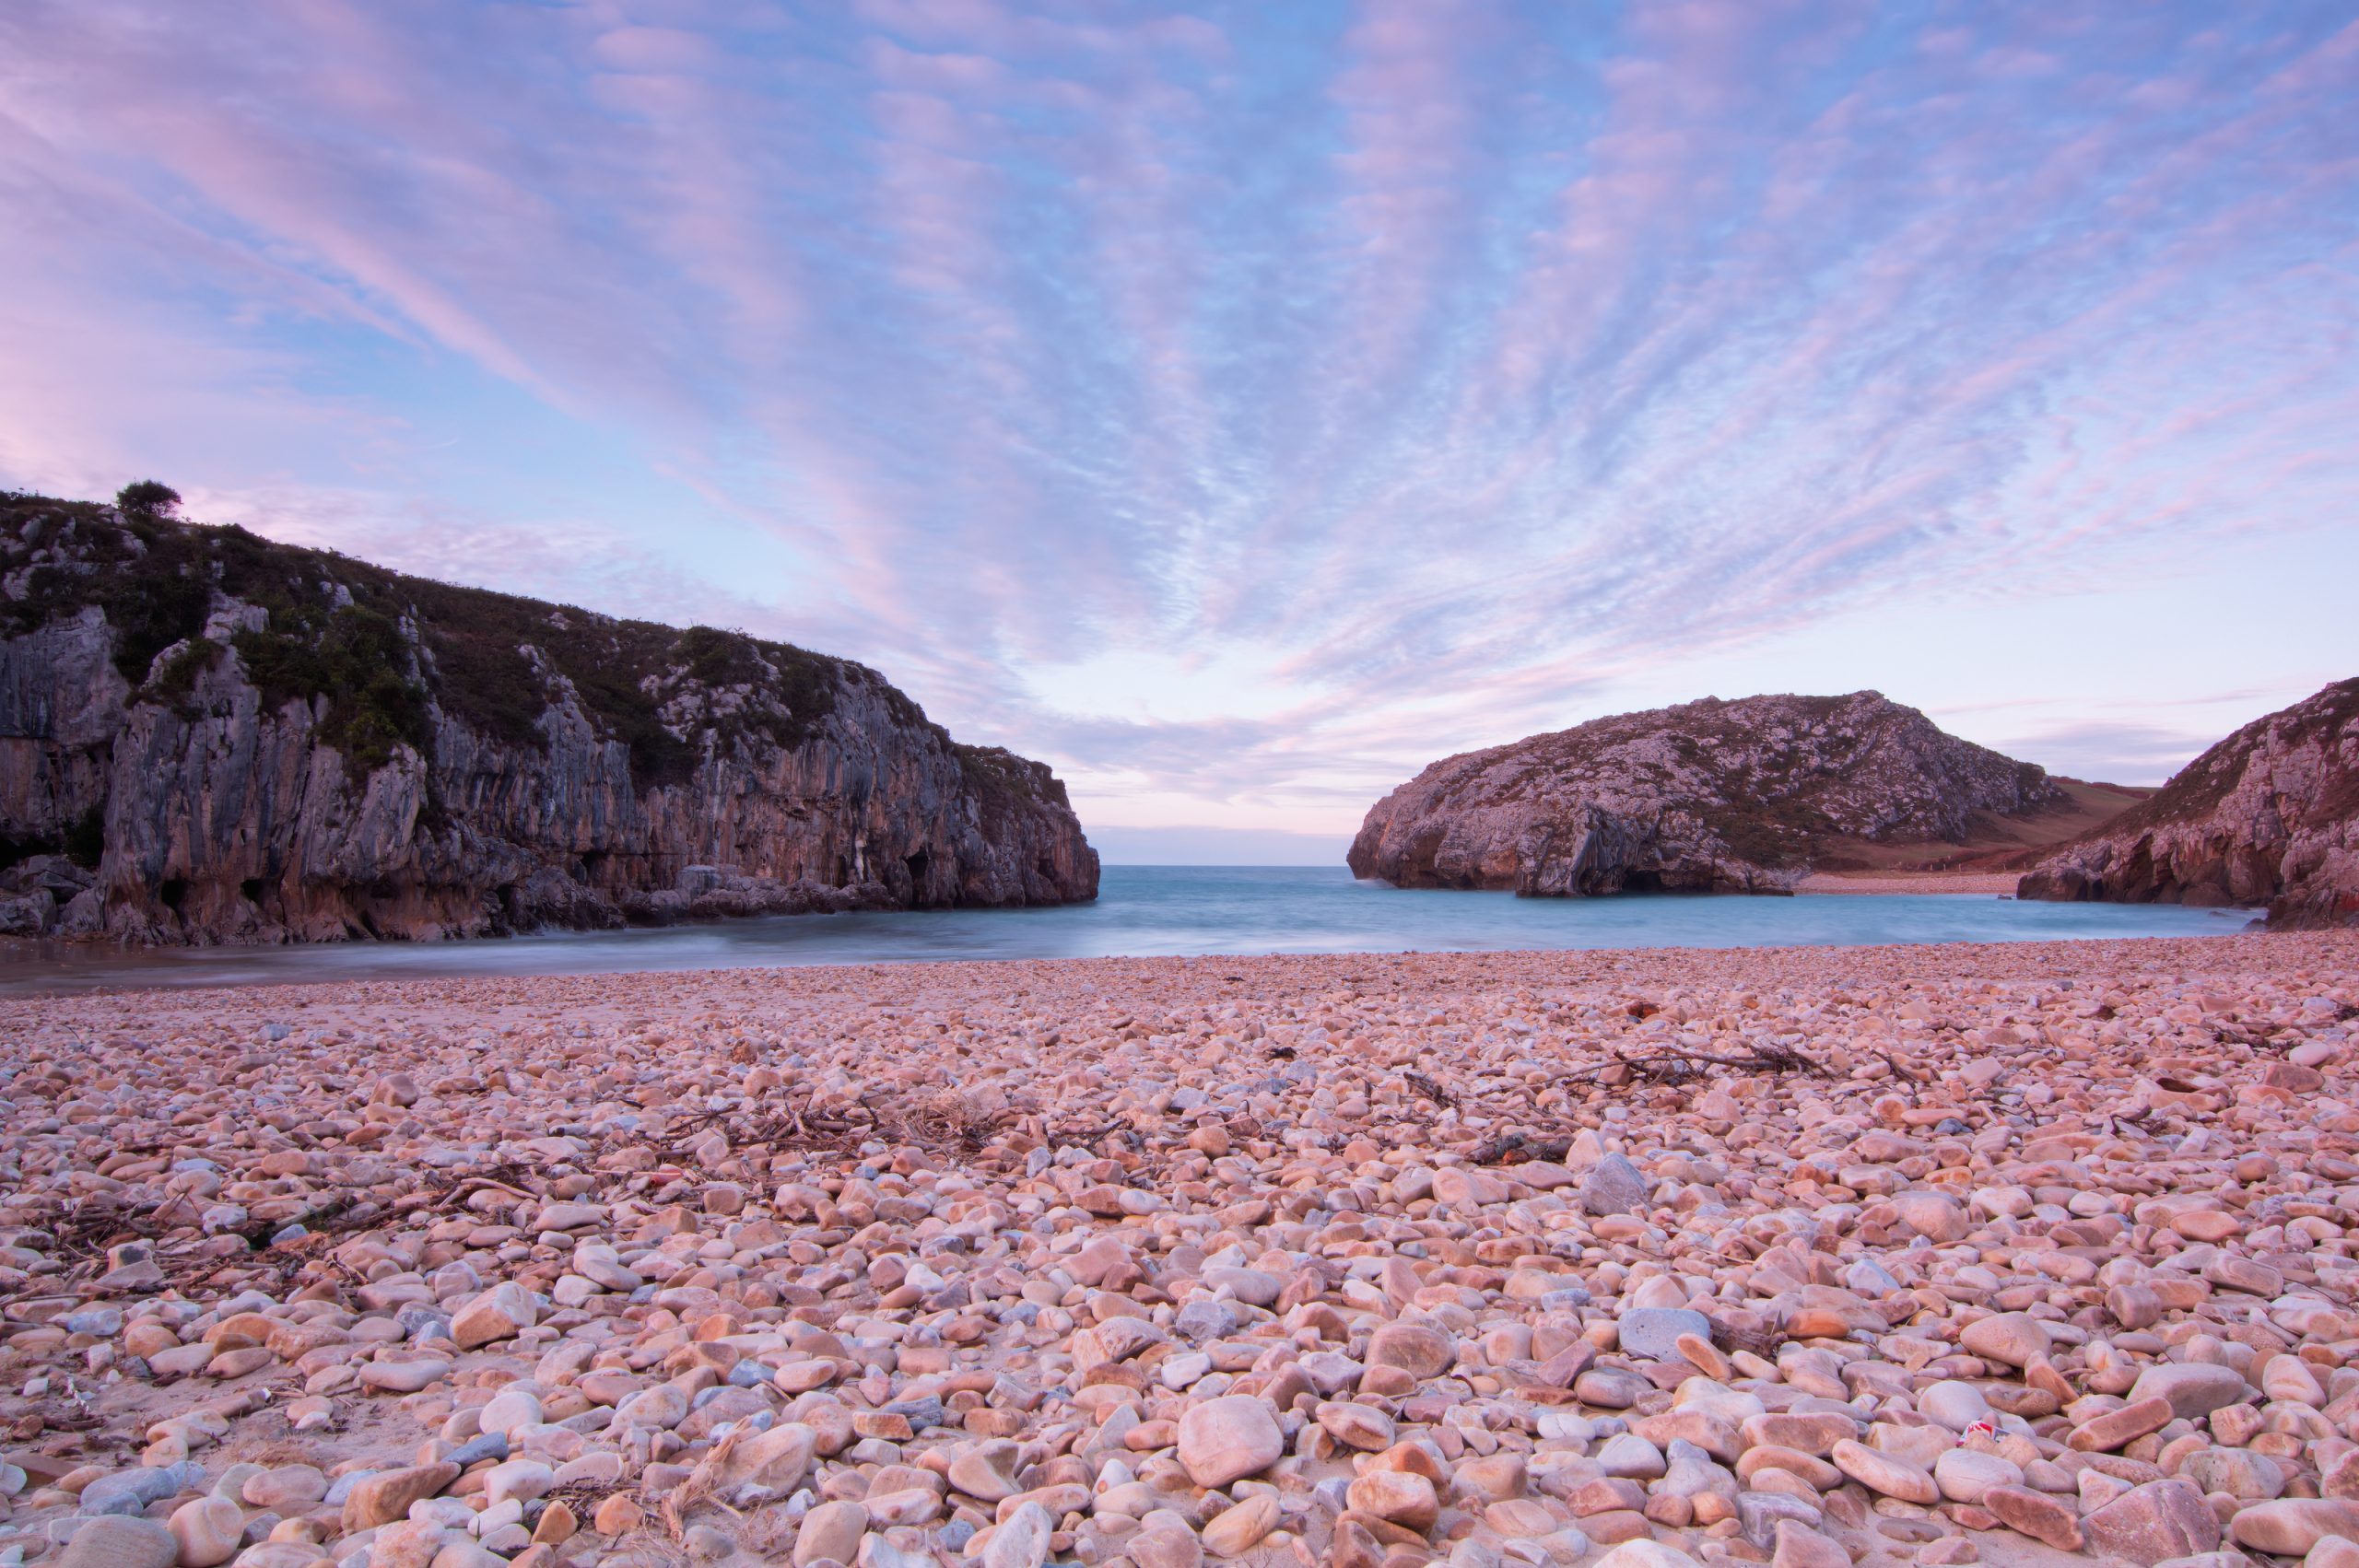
<point>1997,843</point>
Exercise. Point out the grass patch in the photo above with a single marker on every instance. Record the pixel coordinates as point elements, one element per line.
<point>1003,782</point>
<point>176,683</point>
<point>355,658</point>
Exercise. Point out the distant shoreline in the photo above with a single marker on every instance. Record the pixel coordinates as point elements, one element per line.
<point>1998,884</point>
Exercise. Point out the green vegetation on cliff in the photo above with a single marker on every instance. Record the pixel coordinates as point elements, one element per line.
<point>382,650</point>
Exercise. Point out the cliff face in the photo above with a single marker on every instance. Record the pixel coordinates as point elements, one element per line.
<point>2270,815</point>
<point>207,737</point>
<point>1711,795</point>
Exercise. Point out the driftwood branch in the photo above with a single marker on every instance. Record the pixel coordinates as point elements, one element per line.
<point>1515,1148</point>
<point>1672,1062</point>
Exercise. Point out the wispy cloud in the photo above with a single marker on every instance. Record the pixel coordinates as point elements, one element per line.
<point>1451,368</point>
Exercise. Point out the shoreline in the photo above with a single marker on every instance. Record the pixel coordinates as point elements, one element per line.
<point>1159,911</point>
<point>38,993</point>
<point>1622,959</point>
<point>1871,884</point>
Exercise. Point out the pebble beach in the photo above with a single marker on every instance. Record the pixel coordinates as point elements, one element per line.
<point>2031,1253</point>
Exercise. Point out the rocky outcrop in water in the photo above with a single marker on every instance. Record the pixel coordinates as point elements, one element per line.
<point>1733,796</point>
<point>208,737</point>
<point>2269,816</point>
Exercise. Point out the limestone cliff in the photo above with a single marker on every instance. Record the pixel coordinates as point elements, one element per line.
<point>208,737</point>
<point>2269,816</point>
<point>1733,796</point>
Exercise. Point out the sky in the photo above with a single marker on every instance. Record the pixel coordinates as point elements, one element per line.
<point>1240,407</point>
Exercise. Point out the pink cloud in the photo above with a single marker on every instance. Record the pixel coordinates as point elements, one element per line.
<point>1469,362</point>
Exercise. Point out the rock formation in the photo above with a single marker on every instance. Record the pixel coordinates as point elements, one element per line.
<point>2270,815</point>
<point>1711,795</point>
<point>208,737</point>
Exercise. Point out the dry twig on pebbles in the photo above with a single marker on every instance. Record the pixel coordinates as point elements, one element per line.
<point>1429,1089</point>
<point>1670,1064</point>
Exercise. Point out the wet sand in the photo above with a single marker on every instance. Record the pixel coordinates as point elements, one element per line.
<point>2000,884</point>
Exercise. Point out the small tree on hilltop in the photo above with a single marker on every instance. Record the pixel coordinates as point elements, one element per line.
<point>149,498</point>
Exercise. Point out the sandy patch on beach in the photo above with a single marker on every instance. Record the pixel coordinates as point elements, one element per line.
<point>1997,884</point>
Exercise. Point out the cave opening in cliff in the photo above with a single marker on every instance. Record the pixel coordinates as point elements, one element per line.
<point>915,865</point>
<point>173,892</point>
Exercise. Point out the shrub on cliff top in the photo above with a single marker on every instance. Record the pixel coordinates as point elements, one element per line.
<point>147,497</point>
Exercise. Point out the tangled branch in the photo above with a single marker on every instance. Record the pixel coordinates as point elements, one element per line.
<point>1673,1064</point>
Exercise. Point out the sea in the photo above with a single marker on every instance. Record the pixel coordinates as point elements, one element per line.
<point>1148,911</point>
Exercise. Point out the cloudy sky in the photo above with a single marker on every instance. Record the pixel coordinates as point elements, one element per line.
<point>1241,405</point>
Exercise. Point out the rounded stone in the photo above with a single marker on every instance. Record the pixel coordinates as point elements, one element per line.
<point>1397,1497</point>
<point>407,1543</point>
<point>1953,1404</point>
<point>1165,1541</point>
<point>831,1532</point>
<point>404,1376</point>
<point>1884,1474</point>
<point>1799,1546</point>
<point>523,1480</point>
<point>2154,1523</point>
<point>509,1411</point>
<point>1652,1333</point>
<point>2015,1337</point>
<point>1628,1455</point>
<point>1964,1474</point>
<point>285,1489</point>
<point>2037,1514</point>
<point>618,1514</point>
<point>2193,1388</point>
<point>1021,1540</point>
<point>387,1495</point>
<point>2290,1526</point>
<point>987,1471</point>
<point>208,1531</point>
<point>1227,1439</point>
<point>1237,1530</point>
<point>121,1540</point>
<point>1416,1349</point>
<point>1936,1216</point>
<point>1646,1554</point>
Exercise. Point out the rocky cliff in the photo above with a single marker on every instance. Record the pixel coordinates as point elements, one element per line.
<point>208,737</point>
<point>2269,816</point>
<point>1733,796</point>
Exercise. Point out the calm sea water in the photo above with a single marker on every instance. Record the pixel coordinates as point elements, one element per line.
<point>1147,910</point>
